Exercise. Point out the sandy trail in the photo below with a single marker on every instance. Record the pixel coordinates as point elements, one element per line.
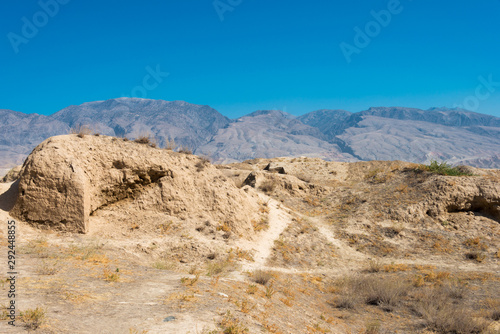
<point>344,251</point>
<point>279,219</point>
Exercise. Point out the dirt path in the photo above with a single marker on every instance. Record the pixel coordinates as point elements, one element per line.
<point>344,251</point>
<point>262,247</point>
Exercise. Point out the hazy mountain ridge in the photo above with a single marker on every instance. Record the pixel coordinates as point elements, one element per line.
<point>20,133</point>
<point>381,133</point>
<point>191,125</point>
<point>333,122</point>
<point>266,134</point>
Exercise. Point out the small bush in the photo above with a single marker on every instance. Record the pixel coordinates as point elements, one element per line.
<point>262,277</point>
<point>170,144</point>
<point>186,281</point>
<point>442,315</point>
<point>81,131</point>
<point>372,327</point>
<point>386,293</point>
<point>492,309</point>
<point>185,150</point>
<point>221,266</point>
<point>33,318</point>
<point>374,266</point>
<point>252,289</point>
<point>262,224</point>
<point>370,290</point>
<point>146,140</point>
<point>270,291</point>
<point>200,165</point>
<point>346,301</point>
<point>444,168</point>
<point>476,256</point>
<point>231,325</point>
<point>268,186</point>
<point>476,243</point>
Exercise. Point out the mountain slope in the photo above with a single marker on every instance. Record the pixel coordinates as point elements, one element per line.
<point>270,133</point>
<point>410,134</point>
<point>378,138</point>
<point>381,133</point>
<point>20,133</point>
<point>329,122</point>
<point>188,124</point>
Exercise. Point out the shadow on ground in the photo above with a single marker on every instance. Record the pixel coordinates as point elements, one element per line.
<point>8,198</point>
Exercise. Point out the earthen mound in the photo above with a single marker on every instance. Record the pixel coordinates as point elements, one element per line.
<point>67,181</point>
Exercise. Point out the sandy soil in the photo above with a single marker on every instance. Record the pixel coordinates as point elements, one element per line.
<point>71,275</point>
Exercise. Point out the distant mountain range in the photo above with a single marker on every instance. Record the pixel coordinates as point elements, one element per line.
<point>396,133</point>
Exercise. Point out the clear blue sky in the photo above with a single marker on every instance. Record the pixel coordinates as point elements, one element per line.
<point>263,54</point>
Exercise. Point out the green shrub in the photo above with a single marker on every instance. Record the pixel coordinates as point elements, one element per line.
<point>443,168</point>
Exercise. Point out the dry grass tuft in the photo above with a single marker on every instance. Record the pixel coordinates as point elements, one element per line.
<point>252,289</point>
<point>223,266</point>
<point>262,224</point>
<point>386,293</point>
<point>170,144</point>
<point>186,281</point>
<point>33,318</point>
<point>81,131</point>
<point>200,165</point>
<point>46,268</point>
<point>261,276</point>
<point>164,265</point>
<point>370,290</point>
<point>476,256</point>
<point>268,186</point>
<point>230,325</point>
<point>146,139</point>
<point>442,315</point>
<point>374,266</point>
<point>111,276</point>
<point>270,290</point>
<point>185,150</point>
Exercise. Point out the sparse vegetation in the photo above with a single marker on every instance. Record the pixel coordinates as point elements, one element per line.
<point>268,186</point>
<point>111,276</point>
<point>443,168</point>
<point>221,266</point>
<point>164,265</point>
<point>262,277</point>
<point>230,325</point>
<point>81,131</point>
<point>146,139</point>
<point>374,266</point>
<point>261,224</point>
<point>190,281</point>
<point>46,268</point>
<point>33,318</point>
<point>476,256</point>
<point>170,144</point>
<point>270,291</point>
<point>185,150</point>
<point>200,165</point>
<point>440,313</point>
<point>380,233</point>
